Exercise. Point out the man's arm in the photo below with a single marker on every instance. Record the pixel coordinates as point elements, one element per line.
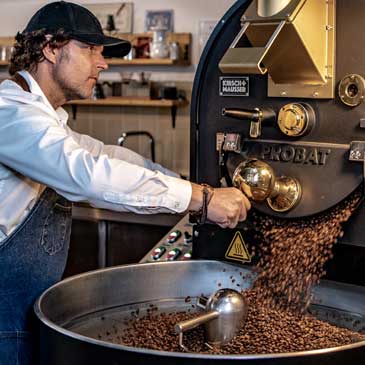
<point>227,207</point>
<point>97,148</point>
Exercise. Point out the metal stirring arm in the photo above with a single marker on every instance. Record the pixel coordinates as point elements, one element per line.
<point>225,314</point>
<point>189,324</point>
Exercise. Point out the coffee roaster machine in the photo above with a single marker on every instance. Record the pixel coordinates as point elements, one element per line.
<point>277,111</point>
<point>278,102</point>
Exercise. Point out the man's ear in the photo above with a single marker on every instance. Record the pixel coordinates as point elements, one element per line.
<point>50,53</point>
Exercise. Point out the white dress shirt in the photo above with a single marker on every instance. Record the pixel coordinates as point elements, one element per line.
<point>38,149</point>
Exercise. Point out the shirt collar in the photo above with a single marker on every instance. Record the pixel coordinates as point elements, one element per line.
<point>61,113</point>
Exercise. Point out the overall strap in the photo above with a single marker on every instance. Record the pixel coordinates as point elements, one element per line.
<point>20,80</point>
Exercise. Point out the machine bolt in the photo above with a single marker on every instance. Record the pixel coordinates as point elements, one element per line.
<point>315,94</point>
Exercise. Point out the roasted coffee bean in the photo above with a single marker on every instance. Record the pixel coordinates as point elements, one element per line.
<point>294,252</point>
<point>267,330</point>
<point>292,256</point>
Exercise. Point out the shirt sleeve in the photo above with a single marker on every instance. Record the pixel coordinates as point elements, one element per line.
<point>96,147</point>
<point>36,146</point>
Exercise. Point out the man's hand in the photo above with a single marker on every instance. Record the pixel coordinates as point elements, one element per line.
<point>227,207</point>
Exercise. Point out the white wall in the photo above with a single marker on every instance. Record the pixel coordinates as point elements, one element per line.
<point>14,15</point>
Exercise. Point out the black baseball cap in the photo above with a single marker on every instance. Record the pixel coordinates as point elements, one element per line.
<point>78,22</point>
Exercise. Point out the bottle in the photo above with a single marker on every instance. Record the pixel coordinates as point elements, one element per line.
<point>174,51</point>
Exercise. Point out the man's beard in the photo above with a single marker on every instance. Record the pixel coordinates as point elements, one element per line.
<point>70,92</point>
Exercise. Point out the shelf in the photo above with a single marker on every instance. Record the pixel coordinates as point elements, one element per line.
<point>183,39</point>
<point>146,62</point>
<point>130,102</point>
<point>136,62</point>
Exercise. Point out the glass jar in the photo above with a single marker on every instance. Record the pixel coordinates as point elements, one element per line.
<point>158,46</point>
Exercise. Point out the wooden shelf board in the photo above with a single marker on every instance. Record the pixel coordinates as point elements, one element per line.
<point>183,39</point>
<point>129,101</point>
<point>146,62</point>
<point>136,62</point>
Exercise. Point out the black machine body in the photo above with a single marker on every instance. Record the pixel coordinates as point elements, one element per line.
<point>262,93</point>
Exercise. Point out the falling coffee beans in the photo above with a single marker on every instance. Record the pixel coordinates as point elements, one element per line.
<point>294,252</point>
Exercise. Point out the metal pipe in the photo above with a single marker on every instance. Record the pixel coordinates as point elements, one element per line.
<point>189,324</point>
<point>125,135</point>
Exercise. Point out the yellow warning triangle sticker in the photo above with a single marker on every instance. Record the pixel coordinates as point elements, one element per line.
<point>237,250</point>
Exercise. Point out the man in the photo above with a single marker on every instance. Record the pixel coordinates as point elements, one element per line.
<point>44,165</point>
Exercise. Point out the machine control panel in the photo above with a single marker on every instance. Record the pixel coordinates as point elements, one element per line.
<point>175,245</point>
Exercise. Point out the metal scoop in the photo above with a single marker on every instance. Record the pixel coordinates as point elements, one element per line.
<point>226,313</point>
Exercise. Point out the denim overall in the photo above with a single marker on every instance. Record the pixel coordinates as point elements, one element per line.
<point>31,259</point>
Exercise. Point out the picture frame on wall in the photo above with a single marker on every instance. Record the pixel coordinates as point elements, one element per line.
<point>159,19</point>
<point>114,17</point>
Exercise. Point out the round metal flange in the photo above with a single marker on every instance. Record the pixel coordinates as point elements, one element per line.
<point>289,194</point>
<point>351,90</point>
<point>296,119</point>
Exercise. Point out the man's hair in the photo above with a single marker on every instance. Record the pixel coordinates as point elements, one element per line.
<point>28,49</point>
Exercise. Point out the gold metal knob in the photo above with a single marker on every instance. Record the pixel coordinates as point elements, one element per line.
<point>296,119</point>
<point>257,180</point>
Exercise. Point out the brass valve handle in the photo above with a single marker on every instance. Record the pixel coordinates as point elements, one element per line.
<point>257,180</point>
<point>256,116</point>
<point>244,114</point>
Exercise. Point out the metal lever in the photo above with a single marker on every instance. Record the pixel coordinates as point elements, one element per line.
<point>256,116</point>
<point>255,126</point>
<point>189,324</point>
<point>257,180</point>
<point>226,313</point>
